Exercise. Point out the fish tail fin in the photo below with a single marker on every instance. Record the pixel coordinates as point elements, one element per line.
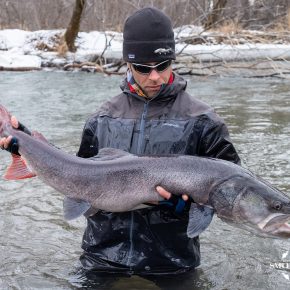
<point>5,117</point>
<point>18,169</point>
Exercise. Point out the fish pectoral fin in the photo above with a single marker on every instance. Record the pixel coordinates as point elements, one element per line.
<point>199,219</point>
<point>109,154</point>
<point>91,211</point>
<point>18,169</point>
<point>74,208</point>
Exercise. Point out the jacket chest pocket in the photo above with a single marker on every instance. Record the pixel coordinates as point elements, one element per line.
<point>115,133</point>
<point>170,137</point>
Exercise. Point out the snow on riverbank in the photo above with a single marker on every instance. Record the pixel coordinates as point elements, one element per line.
<point>24,49</point>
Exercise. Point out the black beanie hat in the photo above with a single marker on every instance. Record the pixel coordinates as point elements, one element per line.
<point>148,37</point>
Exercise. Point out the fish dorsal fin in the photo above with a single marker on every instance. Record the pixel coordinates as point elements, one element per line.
<point>18,169</point>
<point>74,208</point>
<point>39,136</point>
<point>110,154</point>
<point>199,219</point>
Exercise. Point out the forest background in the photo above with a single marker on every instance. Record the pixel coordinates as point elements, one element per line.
<point>225,22</point>
<point>110,14</point>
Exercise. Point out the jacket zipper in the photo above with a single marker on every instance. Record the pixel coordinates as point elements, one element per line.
<point>131,241</point>
<point>139,148</point>
<point>142,128</point>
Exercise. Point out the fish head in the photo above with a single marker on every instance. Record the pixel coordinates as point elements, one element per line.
<point>262,209</point>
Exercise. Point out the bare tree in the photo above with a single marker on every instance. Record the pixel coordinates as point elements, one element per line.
<point>74,25</point>
<point>215,15</point>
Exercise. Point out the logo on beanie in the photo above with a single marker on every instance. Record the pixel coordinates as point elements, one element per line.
<point>162,50</point>
<point>131,56</point>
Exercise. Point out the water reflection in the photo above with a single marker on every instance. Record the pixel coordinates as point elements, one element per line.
<point>38,249</point>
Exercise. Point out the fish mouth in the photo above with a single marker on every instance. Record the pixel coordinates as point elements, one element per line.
<point>277,225</point>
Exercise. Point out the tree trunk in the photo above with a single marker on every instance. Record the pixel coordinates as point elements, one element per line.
<point>215,14</point>
<point>74,25</point>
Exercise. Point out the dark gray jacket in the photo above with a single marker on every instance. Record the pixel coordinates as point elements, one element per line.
<point>151,240</point>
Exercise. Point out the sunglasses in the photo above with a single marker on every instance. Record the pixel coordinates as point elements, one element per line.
<point>147,69</point>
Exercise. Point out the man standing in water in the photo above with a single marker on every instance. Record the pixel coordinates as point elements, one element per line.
<point>153,115</point>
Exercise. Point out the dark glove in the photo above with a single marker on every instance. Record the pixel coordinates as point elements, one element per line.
<point>13,145</point>
<point>22,128</point>
<point>176,204</point>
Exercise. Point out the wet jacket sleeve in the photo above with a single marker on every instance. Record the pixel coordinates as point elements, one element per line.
<point>216,143</point>
<point>89,142</point>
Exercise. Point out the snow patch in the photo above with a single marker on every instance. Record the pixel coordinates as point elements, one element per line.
<point>8,59</point>
<point>19,48</point>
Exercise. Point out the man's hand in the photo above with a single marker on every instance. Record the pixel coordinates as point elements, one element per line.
<point>5,142</point>
<point>167,195</point>
<point>10,143</point>
<point>177,203</point>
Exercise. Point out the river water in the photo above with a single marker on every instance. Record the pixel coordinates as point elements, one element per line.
<point>39,250</point>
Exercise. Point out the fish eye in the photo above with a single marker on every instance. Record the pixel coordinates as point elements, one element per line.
<point>277,205</point>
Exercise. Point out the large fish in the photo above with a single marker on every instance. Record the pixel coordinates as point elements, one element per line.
<point>117,181</point>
